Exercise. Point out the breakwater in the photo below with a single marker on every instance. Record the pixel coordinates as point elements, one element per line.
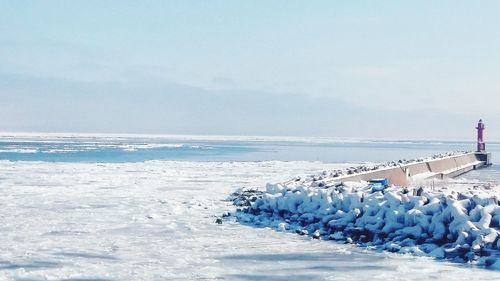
<point>446,167</point>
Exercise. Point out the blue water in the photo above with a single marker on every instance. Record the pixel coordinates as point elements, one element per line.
<point>137,149</point>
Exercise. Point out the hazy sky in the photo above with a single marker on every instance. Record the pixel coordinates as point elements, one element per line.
<point>385,69</point>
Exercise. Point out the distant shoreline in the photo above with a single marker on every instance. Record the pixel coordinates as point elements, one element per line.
<point>236,137</point>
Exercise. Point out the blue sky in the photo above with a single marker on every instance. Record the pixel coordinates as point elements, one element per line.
<point>419,69</point>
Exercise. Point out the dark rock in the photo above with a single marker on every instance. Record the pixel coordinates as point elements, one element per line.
<point>301,231</point>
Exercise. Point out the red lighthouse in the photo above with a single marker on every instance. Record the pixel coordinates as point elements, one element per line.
<point>480,141</point>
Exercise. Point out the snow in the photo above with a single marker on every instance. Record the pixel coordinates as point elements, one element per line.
<point>156,221</point>
<point>456,222</point>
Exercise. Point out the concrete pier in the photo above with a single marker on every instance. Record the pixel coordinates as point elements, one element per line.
<point>441,168</point>
<point>447,167</point>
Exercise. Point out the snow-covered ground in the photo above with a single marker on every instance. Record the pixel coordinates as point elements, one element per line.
<point>155,221</point>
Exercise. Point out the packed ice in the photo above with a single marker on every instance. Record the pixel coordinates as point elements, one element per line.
<point>155,220</point>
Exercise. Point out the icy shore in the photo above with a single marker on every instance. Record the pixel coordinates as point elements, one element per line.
<point>461,226</point>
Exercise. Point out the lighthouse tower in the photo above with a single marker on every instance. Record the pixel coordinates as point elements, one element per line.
<point>481,146</point>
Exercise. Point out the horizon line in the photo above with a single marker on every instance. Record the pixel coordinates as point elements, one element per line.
<point>226,136</point>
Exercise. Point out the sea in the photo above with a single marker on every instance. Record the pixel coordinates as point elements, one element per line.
<point>131,148</point>
<point>143,207</point>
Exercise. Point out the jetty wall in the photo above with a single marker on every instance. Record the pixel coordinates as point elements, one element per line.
<point>447,167</point>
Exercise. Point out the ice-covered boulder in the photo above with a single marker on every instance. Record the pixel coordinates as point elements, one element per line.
<point>456,226</point>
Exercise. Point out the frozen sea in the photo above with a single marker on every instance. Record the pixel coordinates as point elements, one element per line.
<point>94,207</point>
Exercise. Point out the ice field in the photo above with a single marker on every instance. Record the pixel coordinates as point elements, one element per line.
<point>154,220</point>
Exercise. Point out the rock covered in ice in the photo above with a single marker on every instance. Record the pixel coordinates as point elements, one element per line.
<point>453,225</point>
<point>245,196</point>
